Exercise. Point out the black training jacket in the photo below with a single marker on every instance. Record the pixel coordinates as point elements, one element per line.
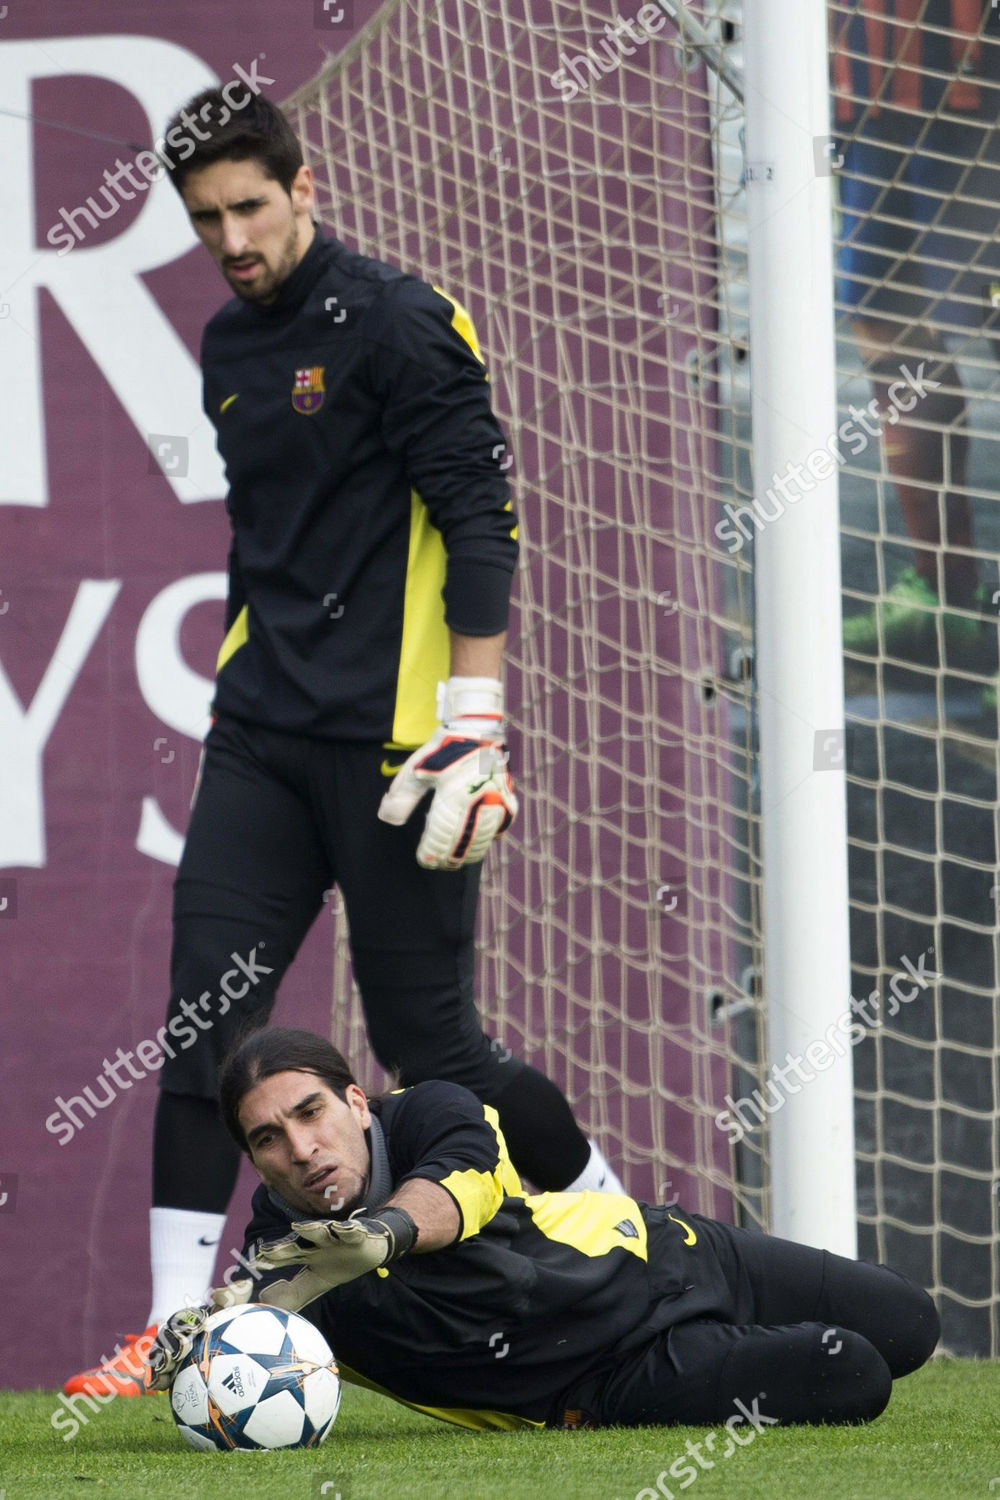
<point>535,1291</point>
<point>369,507</point>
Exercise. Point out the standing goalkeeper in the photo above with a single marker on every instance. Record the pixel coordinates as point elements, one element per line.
<point>372,553</point>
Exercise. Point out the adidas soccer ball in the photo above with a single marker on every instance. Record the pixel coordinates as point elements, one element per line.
<point>256,1377</point>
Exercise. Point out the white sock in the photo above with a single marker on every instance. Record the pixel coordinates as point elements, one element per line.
<point>183,1244</point>
<point>596,1177</point>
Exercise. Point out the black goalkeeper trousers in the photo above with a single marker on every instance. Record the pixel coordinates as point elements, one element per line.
<point>795,1335</point>
<point>276,821</point>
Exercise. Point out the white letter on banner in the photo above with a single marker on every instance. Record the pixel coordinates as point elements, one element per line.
<point>24,734</point>
<point>174,693</point>
<point>99,288</point>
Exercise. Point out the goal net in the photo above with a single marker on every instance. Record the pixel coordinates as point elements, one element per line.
<point>578,184</point>
<point>916,159</point>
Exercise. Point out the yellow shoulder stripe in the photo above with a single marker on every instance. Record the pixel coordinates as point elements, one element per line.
<point>509,1180</point>
<point>478,1195</point>
<point>593,1223</point>
<point>236,636</point>
<point>463,324</point>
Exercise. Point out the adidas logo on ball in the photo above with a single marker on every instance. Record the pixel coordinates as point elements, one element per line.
<point>233,1383</point>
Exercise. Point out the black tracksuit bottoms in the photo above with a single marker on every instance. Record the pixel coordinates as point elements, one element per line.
<point>781,1331</point>
<point>278,818</point>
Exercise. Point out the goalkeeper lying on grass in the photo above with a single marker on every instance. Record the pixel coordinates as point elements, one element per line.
<point>399,1228</point>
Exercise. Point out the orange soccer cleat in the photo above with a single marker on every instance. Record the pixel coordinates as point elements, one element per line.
<point>125,1373</point>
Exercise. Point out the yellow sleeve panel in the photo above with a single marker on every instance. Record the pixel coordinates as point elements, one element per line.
<point>479,1195</point>
<point>425,650</point>
<point>509,1180</point>
<point>589,1222</point>
<point>236,636</point>
<point>460,1416</point>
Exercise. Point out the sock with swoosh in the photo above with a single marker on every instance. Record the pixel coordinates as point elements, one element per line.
<point>183,1246</point>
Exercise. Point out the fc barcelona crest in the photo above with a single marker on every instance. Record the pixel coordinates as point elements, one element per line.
<point>308,391</point>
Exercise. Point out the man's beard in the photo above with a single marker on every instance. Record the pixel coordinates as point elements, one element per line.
<point>268,283</point>
<point>337,1203</point>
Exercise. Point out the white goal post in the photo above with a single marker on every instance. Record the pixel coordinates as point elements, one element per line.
<point>799,652</point>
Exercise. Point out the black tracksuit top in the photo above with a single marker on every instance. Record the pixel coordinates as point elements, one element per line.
<point>369,507</point>
<point>536,1290</point>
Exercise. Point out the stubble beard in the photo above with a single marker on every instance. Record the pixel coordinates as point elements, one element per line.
<point>268,283</point>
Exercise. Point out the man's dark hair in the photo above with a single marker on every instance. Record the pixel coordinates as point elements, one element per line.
<point>256,131</point>
<point>281,1049</point>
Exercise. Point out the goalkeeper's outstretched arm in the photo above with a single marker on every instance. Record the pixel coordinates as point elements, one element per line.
<point>433,1211</point>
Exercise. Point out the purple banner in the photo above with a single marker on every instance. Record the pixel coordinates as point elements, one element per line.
<point>114,542</point>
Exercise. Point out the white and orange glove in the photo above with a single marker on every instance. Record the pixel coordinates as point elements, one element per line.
<point>465,766</point>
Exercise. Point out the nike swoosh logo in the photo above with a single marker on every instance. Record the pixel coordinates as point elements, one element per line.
<point>388,770</point>
<point>228,402</point>
<point>690,1238</point>
<point>204,1241</point>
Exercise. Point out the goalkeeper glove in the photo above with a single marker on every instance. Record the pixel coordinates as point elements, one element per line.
<point>331,1252</point>
<point>465,765</point>
<point>176,1337</point>
<point>173,1343</point>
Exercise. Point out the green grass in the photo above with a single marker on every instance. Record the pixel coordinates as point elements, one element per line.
<point>940,1437</point>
